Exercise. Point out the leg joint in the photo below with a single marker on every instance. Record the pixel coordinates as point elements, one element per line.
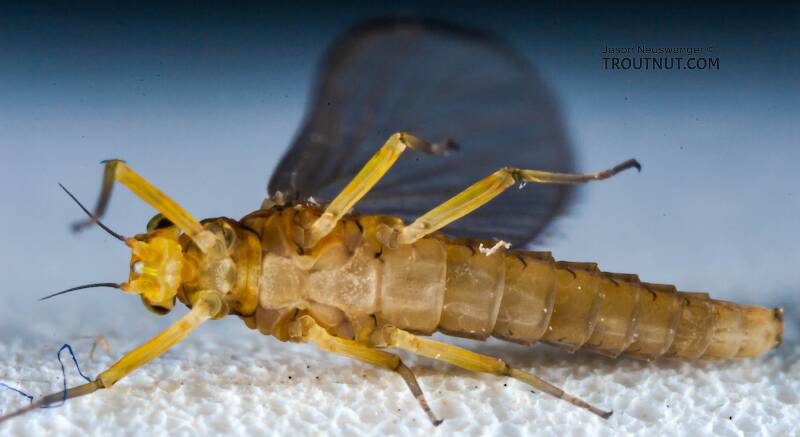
<point>419,145</point>
<point>514,172</point>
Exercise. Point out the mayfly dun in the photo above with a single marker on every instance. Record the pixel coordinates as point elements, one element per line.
<point>362,284</point>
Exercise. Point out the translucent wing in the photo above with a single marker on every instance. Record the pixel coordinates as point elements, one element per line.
<point>442,83</point>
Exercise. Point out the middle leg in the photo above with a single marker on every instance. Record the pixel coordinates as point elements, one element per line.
<point>367,177</point>
<point>306,329</point>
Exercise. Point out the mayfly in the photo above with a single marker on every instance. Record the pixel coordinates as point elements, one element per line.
<point>467,106</point>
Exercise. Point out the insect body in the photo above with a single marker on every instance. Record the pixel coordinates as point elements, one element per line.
<point>358,285</point>
<point>352,282</point>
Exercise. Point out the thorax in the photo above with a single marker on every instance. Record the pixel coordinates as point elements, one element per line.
<point>337,281</point>
<point>234,272</point>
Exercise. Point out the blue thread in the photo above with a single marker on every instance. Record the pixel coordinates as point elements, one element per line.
<point>64,374</point>
<point>30,398</point>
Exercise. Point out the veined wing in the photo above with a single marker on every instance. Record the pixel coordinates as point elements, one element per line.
<point>440,82</point>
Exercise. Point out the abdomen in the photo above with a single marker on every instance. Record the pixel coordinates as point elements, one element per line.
<point>578,306</point>
<point>527,297</point>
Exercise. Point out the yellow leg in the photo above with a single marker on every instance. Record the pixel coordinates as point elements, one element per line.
<point>307,329</point>
<point>490,187</point>
<point>366,178</point>
<point>117,170</point>
<point>209,305</point>
<point>397,338</point>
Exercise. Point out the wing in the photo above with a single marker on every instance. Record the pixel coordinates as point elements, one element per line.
<point>440,82</point>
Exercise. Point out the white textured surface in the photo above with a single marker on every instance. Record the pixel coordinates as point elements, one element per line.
<point>229,380</point>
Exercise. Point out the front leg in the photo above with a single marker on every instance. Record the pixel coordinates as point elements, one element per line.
<point>209,304</point>
<point>117,170</point>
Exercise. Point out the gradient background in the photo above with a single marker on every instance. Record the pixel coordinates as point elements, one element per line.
<point>203,100</point>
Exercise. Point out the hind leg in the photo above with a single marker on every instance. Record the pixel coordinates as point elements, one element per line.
<point>397,338</point>
<point>487,189</point>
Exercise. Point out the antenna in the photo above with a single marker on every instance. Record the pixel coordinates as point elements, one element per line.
<point>92,217</point>
<point>81,287</point>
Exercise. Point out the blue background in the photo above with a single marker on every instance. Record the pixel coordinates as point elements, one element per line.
<point>203,100</point>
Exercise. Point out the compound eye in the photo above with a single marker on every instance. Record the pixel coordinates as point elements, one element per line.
<point>138,268</point>
<point>158,222</point>
<point>156,309</point>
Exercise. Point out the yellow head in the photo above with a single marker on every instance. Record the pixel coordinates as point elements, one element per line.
<point>157,265</point>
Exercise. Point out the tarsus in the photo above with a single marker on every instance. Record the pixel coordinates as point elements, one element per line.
<point>64,374</point>
<point>46,402</point>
